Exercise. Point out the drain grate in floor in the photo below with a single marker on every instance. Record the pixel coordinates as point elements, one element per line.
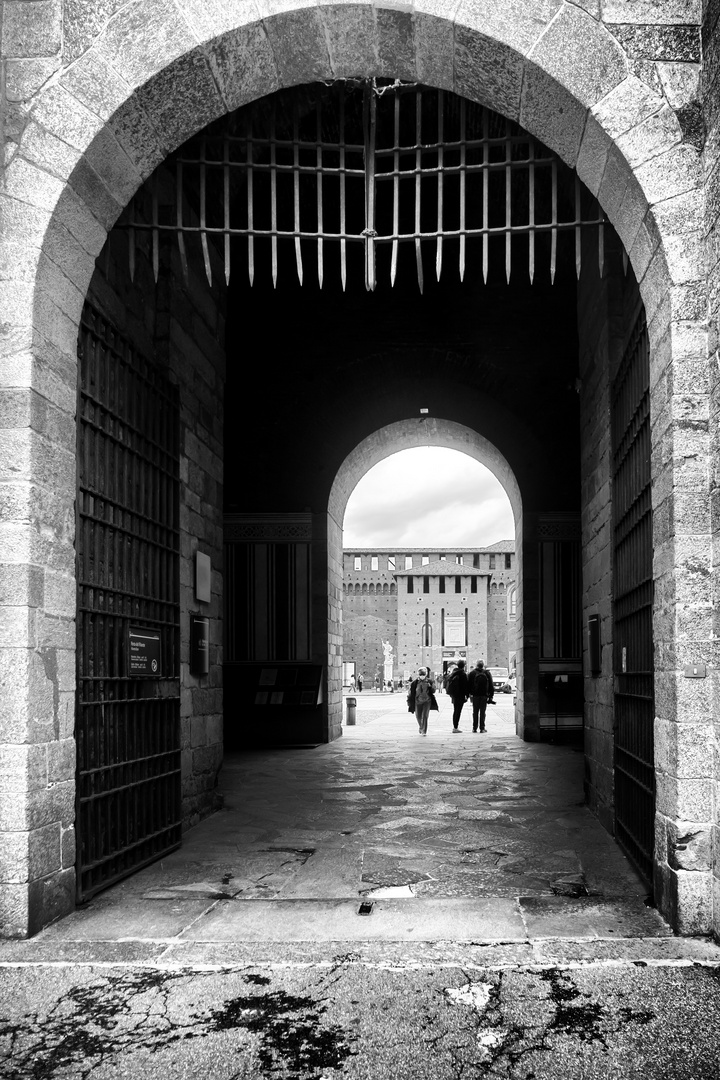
<point>366,907</point>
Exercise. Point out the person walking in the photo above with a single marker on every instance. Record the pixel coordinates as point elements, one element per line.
<point>480,686</point>
<point>420,698</point>
<point>457,688</point>
<point>359,683</point>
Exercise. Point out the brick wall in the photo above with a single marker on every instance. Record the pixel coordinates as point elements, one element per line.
<point>500,628</point>
<point>411,618</point>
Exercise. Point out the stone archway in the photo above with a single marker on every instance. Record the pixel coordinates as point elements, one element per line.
<point>403,435</point>
<point>136,87</point>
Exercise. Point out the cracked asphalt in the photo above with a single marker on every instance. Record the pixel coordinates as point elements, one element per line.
<point>508,935</point>
<point>346,1017</point>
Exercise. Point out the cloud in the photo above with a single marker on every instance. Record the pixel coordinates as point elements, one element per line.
<point>428,497</point>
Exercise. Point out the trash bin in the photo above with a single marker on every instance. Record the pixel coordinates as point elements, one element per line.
<point>350,716</point>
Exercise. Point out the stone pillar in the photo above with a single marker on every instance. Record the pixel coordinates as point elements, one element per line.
<point>684,617</point>
<point>710,93</point>
<point>37,640</point>
<point>327,613</point>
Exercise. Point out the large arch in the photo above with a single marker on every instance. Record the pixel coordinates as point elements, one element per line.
<point>380,444</point>
<point>423,431</point>
<point>155,73</point>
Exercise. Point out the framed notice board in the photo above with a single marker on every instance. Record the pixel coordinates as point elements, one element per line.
<point>143,653</point>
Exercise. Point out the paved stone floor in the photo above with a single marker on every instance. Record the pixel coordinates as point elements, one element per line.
<point>450,837</point>
<point>508,935</point>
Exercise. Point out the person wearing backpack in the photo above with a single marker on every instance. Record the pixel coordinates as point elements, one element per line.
<point>458,689</point>
<point>421,699</point>
<point>481,690</point>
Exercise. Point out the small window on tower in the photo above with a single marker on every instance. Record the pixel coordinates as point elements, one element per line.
<point>442,584</point>
<point>473,584</point>
<point>425,560</point>
<point>358,562</point>
<point>410,585</point>
<point>391,562</point>
<point>492,562</point>
<point>374,564</point>
<point>426,584</point>
<point>458,584</point>
<point>408,562</point>
<point>508,562</point>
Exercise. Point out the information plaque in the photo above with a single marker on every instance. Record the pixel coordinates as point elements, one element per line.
<point>143,652</point>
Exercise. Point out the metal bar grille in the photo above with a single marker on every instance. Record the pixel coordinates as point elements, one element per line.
<point>633,598</point>
<point>379,165</point>
<point>128,728</point>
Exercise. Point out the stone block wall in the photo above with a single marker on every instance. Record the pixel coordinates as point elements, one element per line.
<point>710,94</point>
<point>597,333</point>
<point>194,340</point>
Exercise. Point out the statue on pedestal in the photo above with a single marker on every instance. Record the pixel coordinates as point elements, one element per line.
<point>388,663</point>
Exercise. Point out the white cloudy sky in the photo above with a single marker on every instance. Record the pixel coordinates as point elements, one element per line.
<point>428,497</point>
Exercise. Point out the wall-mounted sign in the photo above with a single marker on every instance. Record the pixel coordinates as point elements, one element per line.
<point>454,632</point>
<point>199,645</point>
<point>203,578</point>
<point>143,652</point>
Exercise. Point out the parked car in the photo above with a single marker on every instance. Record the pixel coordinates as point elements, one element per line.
<point>501,680</point>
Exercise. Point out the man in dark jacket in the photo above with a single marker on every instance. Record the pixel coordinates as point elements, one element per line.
<point>481,689</point>
<point>458,689</point>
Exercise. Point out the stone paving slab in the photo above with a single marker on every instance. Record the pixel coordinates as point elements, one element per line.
<point>556,916</point>
<point>461,919</point>
<point>330,873</point>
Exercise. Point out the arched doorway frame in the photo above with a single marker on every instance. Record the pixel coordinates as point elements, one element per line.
<point>381,444</point>
<point>157,73</point>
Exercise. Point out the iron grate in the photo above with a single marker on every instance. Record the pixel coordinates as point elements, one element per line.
<point>127,552</point>
<point>632,605</point>
<point>380,165</point>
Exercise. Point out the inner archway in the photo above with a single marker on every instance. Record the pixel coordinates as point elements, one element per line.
<point>429,536</point>
<point>423,431</point>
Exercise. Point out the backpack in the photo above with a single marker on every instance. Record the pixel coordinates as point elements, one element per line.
<point>422,692</point>
<point>453,681</point>
<point>480,683</point>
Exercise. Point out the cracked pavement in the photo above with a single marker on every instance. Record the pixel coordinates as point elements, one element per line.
<point>508,936</point>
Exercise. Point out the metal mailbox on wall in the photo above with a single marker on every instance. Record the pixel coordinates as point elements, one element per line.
<point>199,645</point>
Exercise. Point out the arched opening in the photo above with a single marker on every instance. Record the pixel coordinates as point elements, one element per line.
<point>552,96</point>
<point>446,515</point>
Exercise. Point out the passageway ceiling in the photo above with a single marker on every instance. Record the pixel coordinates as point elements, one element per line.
<point>311,373</point>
